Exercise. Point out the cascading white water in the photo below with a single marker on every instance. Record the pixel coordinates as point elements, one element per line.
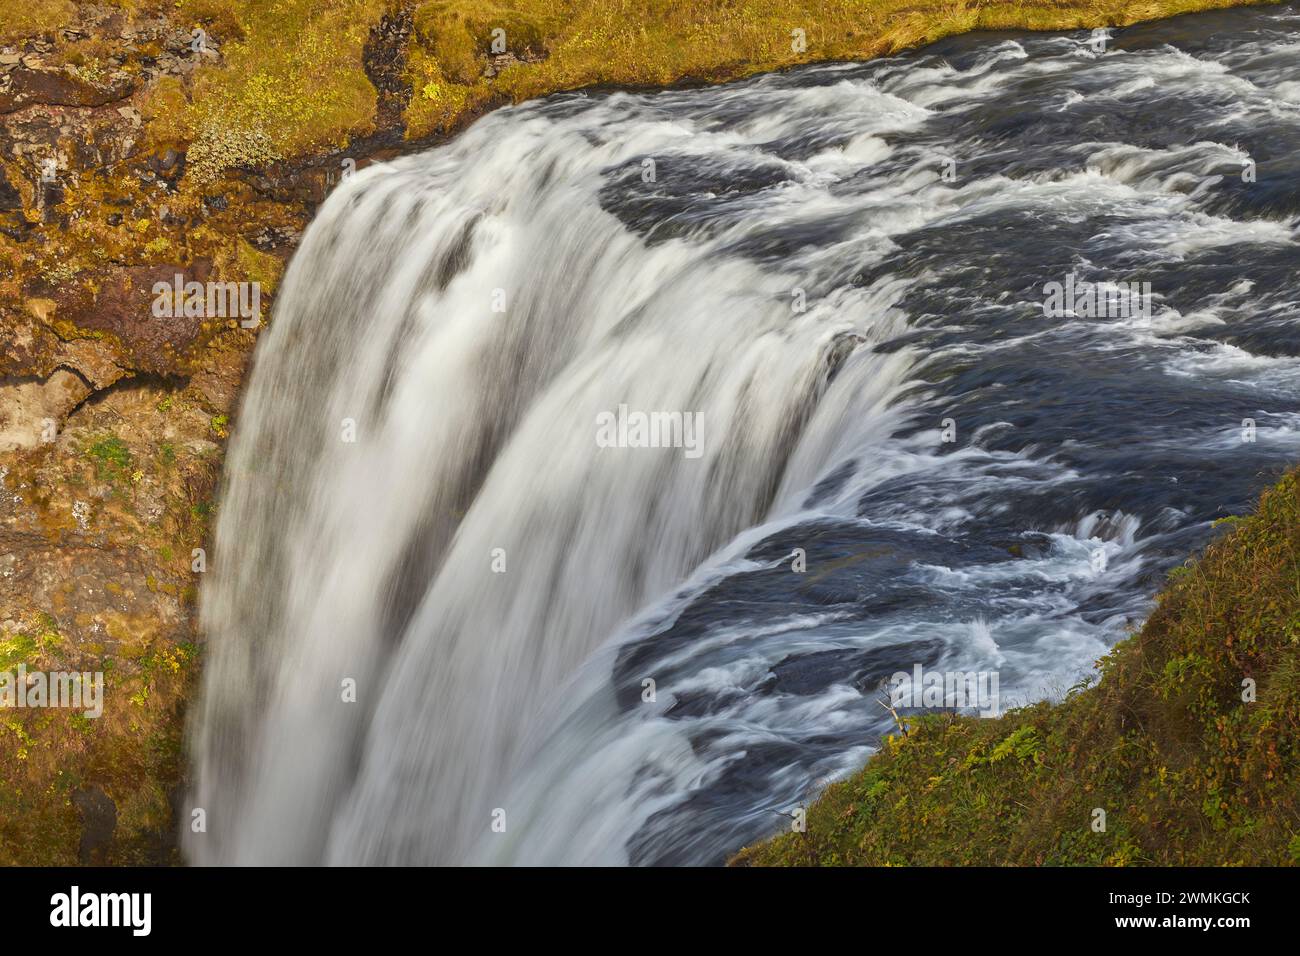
<point>467,315</point>
<point>475,431</point>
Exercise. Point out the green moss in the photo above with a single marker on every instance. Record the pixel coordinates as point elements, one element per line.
<point>15,650</point>
<point>112,458</point>
<point>563,44</point>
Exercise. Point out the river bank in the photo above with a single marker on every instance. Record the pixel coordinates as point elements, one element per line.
<point>1185,741</point>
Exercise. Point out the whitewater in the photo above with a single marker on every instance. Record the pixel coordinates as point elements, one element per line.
<point>563,650</point>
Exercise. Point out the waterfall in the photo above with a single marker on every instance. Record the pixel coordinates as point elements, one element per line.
<point>475,430</point>
<point>435,591</point>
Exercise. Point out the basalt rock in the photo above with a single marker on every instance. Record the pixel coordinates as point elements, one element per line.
<point>25,85</point>
<point>118,304</point>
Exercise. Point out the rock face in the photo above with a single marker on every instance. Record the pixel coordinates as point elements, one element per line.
<point>31,82</point>
<point>112,421</point>
<point>30,411</point>
<point>118,302</point>
<point>114,406</point>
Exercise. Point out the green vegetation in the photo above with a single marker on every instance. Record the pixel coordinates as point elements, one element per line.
<point>112,458</point>
<point>16,650</point>
<point>294,78</point>
<point>1190,742</point>
<point>567,45</point>
<point>23,19</point>
<point>133,752</point>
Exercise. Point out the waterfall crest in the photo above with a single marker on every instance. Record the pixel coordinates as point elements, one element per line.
<point>838,272</point>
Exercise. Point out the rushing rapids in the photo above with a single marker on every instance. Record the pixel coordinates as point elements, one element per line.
<point>838,273</point>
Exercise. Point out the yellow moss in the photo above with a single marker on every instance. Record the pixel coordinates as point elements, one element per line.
<point>165,110</point>
<point>23,18</point>
<point>256,266</point>
<point>219,17</point>
<point>566,45</point>
<point>291,81</point>
<point>437,102</point>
